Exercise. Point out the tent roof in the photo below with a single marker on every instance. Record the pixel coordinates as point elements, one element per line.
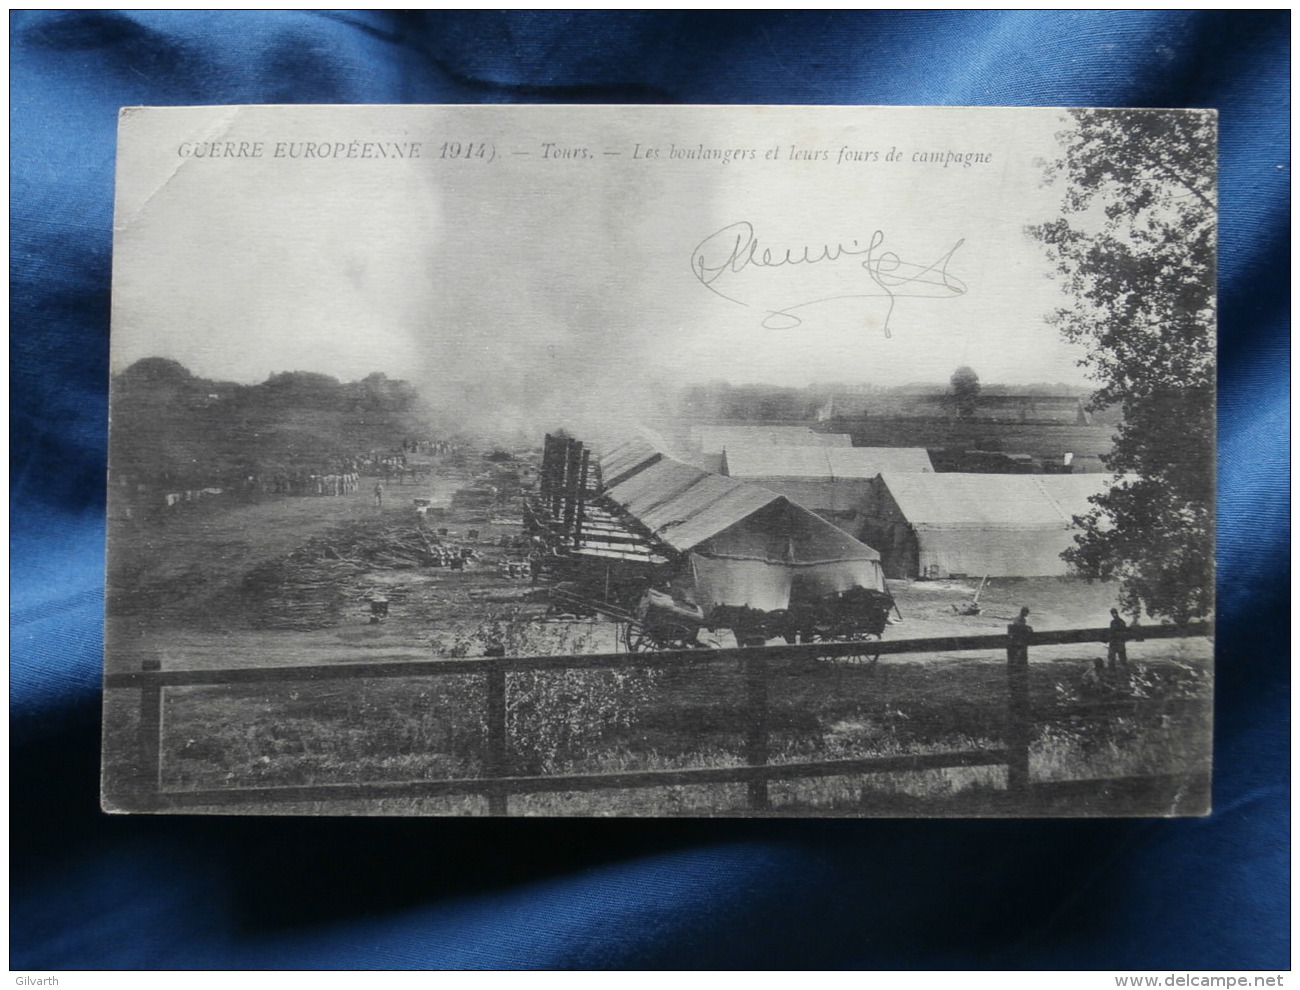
<point>712,439</point>
<point>620,461</point>
<point>655,485</point>
<point>829,463</point>
<point>706,509</point>
<point>991,501</point>
<point>1072,491</point>
<point>712,463</point>
<point>867,462</point>
<point>626,458</point>
<point>834,439</point>
<point>684,507</point>
<point>777,462</point>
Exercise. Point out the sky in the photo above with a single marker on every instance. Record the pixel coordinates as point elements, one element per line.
<point>512,259</point>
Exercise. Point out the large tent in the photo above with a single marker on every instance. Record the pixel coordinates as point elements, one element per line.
<point>742,544</point>
<point>829,480</point>
<point>999,525</point>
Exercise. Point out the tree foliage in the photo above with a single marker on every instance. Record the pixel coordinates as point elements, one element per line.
<point>1134,250</point>
<point>175,430</point>
<point>965,386</point>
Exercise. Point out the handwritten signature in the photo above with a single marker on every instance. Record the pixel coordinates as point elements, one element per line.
<point>727,253</point>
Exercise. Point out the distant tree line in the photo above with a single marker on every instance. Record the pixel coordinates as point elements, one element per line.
<point>961,398</point>
<point>173,429</point>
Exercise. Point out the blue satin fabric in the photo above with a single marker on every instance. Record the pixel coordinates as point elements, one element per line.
<point>89,891</point>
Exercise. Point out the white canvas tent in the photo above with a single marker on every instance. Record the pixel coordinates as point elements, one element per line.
<point>1000,525</point>
<point>744,545</point>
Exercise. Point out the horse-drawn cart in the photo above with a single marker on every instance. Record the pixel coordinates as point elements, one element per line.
<point>858,615</point>
<point>658,622</point>
<point>661,622</point>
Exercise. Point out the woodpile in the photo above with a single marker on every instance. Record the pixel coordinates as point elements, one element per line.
<point>312,587</point>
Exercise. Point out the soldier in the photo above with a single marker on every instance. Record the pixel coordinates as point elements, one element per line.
<point>1116,650</point>
<point>1018,634</point>
<point>1021,625</point>
<point>379,495</point>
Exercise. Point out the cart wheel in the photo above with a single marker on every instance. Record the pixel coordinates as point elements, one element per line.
<point>873,655</point>
<point>870,649</point>
<point>637,640</point>
<point>827,637</point>
<point>865,653</point>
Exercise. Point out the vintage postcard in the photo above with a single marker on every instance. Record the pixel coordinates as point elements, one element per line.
<point>661,461</point>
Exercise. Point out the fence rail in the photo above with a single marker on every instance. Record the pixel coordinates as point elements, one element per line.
<point>498,785</point>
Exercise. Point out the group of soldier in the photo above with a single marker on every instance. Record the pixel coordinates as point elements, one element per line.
<point>1020,631</point>
<point>381,462</point>
<point>336,476</point>
<point>439,448</point>
<point>308,483</point>
<point>343,477</point>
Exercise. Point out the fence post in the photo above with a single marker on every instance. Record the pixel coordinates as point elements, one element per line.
<point>495,764</point>
<point>151,729</point>
<point>1018,715</point>
<point>756,727</point>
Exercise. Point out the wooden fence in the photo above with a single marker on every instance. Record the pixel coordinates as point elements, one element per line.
<point>496,783</point>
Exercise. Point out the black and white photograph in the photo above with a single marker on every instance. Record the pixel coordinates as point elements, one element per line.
<point>661,461</point>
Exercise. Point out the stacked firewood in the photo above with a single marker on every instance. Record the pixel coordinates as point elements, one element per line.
<point>312,587</point>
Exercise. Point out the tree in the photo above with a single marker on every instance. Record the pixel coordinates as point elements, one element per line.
<point>1134,250</point>
<point>156,372</point>
<point>303,390</point>
<point>965,392</point>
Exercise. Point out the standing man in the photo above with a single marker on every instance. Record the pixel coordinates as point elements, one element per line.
<point>379,495</point>
<point>1019,632</point>
<point>1019,725</point>
<point>1117,651</point>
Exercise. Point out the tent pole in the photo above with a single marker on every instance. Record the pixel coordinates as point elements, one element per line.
<point>885,580</point>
